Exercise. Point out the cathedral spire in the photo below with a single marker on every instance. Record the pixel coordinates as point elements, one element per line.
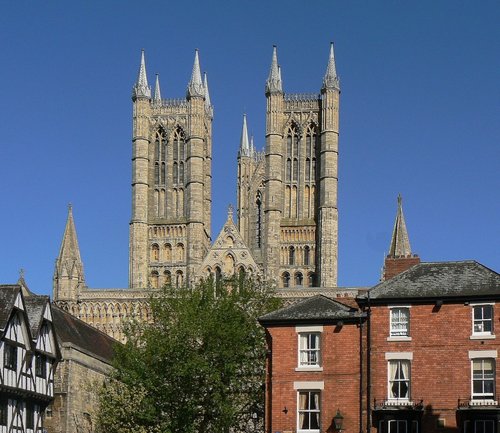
<point>195,86</point>
<point>68,275</point>
<point>157,95</point>
<point>331,79</point>
<point>273,83</point>
<point>244,143</point>
<point>141,88</point>
<point>208,103</point>
<point>400,242</point>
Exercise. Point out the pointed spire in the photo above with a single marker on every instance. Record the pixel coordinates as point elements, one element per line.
<point>252,148</point>
<point>69,246</point>
<point>141,87</point>
<point>195,86</point>
<point>230,212</point>
<point>244,144</point>
<point>273,83</point>
<point>331,79</point>
<point>400,242</point>
<point>208,103</point>
<point>157,95</point>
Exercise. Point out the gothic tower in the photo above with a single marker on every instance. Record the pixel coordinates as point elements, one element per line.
<point>171,182</point>
<point>68,273</point>
<point>300,227</point>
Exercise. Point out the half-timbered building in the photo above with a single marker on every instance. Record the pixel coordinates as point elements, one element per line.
<point>28,356</point>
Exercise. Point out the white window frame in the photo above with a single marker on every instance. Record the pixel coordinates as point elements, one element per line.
<point>304,352</point>
<point>395,334</point>
<point>308,410</point>
<point>482,396</point>
<point>477,324</point>
<point>390,381</point>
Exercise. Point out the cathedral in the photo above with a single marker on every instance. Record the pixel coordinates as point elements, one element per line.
<point>285,229</point>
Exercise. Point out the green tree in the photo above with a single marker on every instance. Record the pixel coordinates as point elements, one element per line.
<point>198,367</point>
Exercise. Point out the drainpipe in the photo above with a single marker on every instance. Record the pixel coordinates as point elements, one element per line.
<point>368,365</point>
<point>360,375</point>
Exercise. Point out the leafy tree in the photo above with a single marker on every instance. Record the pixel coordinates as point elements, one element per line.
<point>197,367</point>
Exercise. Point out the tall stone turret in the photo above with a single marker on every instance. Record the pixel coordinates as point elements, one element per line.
<point>171,182</point>
<point>68,274</point>
<point>327,219</point>
<point>273,204</point>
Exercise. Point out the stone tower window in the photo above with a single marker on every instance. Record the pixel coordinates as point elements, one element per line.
<point>167,278</point>
<point>258,202</point>
<point>180,252</point>
<point>160,156</point>
<point>155,252</point>
<point>291,256</point>
<point>167,252</point>
<point>179,279</point>
<point>307,252</point>
<point>292,171</point>
<point>154,279</point>
<point>178,156</point>
<point>299,279</point>
<point>286,279</point>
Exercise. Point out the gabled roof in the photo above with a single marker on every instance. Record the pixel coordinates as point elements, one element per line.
<point>8,296</point>
<point>464,279</point>
<point>35,307</point>
<point>74,331</point>
<point>317,309</point>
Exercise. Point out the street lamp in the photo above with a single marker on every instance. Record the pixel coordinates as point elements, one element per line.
<point>338,420</point>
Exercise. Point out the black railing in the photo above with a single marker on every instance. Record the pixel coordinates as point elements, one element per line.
<point>471,403</point>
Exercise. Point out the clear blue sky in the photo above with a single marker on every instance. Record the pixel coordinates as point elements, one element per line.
<point>420,116</point>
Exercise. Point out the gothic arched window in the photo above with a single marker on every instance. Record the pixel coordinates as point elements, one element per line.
<point>307,252</point>
<point>292,154</point>
<point>258,202</point>
<point>155,252</point>
<point>160,156</point>
<point>154,279</point>
<point>291,256</point>
<point>298,279</point>
<point>286,279</point>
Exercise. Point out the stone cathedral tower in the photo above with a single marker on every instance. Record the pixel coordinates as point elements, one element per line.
<point>171,182</point>
<point>287,198</point>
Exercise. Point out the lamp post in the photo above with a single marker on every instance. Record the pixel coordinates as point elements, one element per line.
<point>338,421</point>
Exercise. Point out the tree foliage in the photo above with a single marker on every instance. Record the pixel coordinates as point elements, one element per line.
<point>197,367</point>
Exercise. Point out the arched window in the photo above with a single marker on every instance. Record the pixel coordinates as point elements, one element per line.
<point>154,279</point>
<point>155,252</point>
<point>167,278</point>
<point>298,279</point>
<point>312,280</point>
<point>258,202</point>
<point>307,252</point>
<point>229,264</point>
<point>167,252</point>
<point>160,156</point>
<point>218,274</point>
<point>180,252</point>
<point>285,279</point>
<point>178,156</point>
<point>292,154</point>
<point>179,281</point>
<point>291,256</point>
<point>181,173</point>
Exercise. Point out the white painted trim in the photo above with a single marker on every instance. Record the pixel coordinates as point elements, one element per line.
<point>475,304</point>
<point>311,385</point>
<point>398,306</point>
<point>475,354</point>
<point>482,337</point>
<point>311,328</point>
<point>312,368</point>
<point>400,338</point>
<point>389,356</point>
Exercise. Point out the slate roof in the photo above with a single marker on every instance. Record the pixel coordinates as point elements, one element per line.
<point>71,330</point>
<point>8,294</point>
<point>318,309</point>
<point>35,306</point>
<point>464,279</point>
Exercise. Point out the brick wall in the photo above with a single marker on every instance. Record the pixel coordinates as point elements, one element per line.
<point>441,368</point>
<point>340,376</point>
<point>394,266</point>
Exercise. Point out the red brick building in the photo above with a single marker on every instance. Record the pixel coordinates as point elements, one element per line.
<point>419,354</point>
<point>314,366</point>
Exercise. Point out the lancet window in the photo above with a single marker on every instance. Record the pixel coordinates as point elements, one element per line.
<point>178,156</point>
<point>310,170</point>
<point>258,202</point>
<point>292,168</point>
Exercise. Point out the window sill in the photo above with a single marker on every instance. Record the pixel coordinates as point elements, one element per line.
<point>483,337</point>
<point>399,338</point>
<point>309,368</point>
<point>483,402</point>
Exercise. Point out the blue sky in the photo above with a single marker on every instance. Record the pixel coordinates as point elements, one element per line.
<point>420,116</point>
